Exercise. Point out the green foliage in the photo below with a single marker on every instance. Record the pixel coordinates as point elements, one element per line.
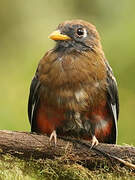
<point>25,26</point>
<point>17,169</point>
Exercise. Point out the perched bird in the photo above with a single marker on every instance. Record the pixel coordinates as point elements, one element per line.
<point>74,92</point>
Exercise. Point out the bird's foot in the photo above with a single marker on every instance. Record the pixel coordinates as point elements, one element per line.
<point>94,141</point>
<point>53,135</point>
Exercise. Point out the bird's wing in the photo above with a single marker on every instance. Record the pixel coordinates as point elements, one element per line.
<point>33,102</point>
<point>112,102</point>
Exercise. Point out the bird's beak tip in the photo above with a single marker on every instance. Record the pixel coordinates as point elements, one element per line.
<point>57,35</point>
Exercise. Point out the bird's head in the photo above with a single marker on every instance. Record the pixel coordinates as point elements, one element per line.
<point>76,35</point>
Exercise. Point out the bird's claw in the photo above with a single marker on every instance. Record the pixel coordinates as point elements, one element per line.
<point>53,135</point>
<point>94,141</point>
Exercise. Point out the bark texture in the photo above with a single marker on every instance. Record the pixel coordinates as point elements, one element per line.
<point>26,145</point>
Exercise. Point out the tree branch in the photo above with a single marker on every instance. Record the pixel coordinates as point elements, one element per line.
<point>26,145</point>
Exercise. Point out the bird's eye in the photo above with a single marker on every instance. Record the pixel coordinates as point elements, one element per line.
<point>80,31</point>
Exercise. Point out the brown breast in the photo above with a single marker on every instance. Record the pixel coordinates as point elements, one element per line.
<point>72,81</point>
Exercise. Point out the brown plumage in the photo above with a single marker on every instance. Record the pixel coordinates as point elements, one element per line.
<point>74,92</point>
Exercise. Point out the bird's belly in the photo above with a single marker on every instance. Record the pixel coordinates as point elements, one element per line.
<point>48,118</point>
<point>66,123</point>
<point>71,124</point>
<point>75,98</point>
<point>65,110</point>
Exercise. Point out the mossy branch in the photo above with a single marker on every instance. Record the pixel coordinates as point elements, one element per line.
<point>26,145</point>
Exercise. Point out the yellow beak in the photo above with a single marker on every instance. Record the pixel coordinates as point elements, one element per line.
<point>56,35</point>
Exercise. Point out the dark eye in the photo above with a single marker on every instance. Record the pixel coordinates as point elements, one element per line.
<point>80,31</point>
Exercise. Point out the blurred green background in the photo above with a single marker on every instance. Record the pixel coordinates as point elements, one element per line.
<point>24,30</point>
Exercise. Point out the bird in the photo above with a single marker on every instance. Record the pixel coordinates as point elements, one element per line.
<point>74,92</point>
